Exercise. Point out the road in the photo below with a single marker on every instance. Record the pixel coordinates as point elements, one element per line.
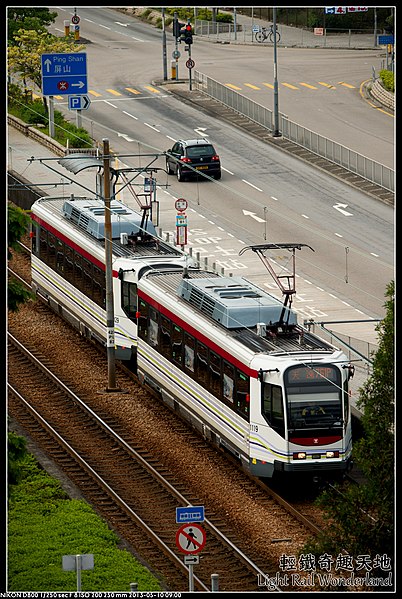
<point>318,88</point>
<point>264,195</point>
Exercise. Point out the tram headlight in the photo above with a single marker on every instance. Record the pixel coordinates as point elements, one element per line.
<point>299,455</point>
<point>332,454</point>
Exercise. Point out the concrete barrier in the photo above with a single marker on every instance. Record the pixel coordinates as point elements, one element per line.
<point>384,97</point>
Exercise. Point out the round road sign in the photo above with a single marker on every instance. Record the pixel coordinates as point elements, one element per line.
<point>190,64</point>
<point>181,204</point>
<point>191,538</point>
<point>75,19</point>
<point>176,54</point>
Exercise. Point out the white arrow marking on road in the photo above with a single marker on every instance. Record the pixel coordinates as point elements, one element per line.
<point>126,137</point>
<point>200,130</point>
<point>254,216</point>
<point>339,208</point>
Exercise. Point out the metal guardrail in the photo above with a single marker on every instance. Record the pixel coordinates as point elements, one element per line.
<point>367,168</point>
<point>301,37</point>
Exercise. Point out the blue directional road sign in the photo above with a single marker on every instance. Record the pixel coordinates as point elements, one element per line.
<point>64,74</point>
<point>191,513</point>
<point>78,102</point>
<point>383,40</point>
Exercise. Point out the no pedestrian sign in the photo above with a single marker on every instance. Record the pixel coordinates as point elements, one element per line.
<point>191,538</point>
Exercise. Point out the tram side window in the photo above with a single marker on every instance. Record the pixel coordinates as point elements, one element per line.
<point>143,319</point>
<point>87,277</point>
<point>78,275</point>
<point>272,407</point>
<point>228,382</point>
<point>129,299</point>
<point>165,339</point>
<point>69,264</point>
<point>243,394</point>
<point>177,344</point>
<point>189,348</point>
<point>51,250</point>
<point>60,256</point>
<point>201,364</point>
<point>153,327</point>
<point>43,245</point>
<point>345,404</point>
<point>99,283</point>
<point>35,233</point>
<point>215,374</point>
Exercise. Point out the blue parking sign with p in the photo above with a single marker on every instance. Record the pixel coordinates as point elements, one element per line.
<point>74,102</point>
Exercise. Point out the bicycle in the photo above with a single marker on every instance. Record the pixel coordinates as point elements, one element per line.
<point>265,33</point>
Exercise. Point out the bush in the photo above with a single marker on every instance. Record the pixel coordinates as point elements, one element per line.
<point>388,80</point>
<point>34,112</point>
<point>44,524</point>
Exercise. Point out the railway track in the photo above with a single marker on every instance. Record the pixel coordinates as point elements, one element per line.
<point>117,450</point>
<point>116,477</point>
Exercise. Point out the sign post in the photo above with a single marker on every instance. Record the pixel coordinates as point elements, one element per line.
<point>63,74</point>
<point>190,539</point>
<point>181,224</point>
<point>78,562</point>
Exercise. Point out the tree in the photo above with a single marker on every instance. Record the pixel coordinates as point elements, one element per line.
<point>24,58</point>
<point>361,518</point>
<point>18,222</point>
<point>27,18</point>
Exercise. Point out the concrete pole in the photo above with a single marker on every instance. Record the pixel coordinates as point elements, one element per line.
<point>111,365</point>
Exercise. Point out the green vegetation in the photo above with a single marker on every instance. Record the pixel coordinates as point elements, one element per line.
<point>362,517</point>
<point>24,65</point>
<point>34,112</point>
<point>44,524</point>
<point>34,19</point>
<point>18,224</point>
<point>388,80</point>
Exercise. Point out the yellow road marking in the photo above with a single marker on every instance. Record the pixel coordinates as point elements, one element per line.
<point>289,85</point>
<point>346,84</point>
<point>308,85</point>
<point>152,89</point>
<point>326,85</point>
<point>133,91</point>
<point>93,93</point>
<point>114,92</point>
<point>252,86</point>
<point>232,86</point>
<point>269,85</point>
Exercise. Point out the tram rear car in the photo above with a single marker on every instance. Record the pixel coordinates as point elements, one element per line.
<point>68,264</point>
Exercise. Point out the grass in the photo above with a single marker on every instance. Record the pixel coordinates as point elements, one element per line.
<point>44,524</point>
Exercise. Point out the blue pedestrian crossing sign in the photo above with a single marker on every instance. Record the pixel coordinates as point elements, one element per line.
<point>64,74</point>
<point>191,513</point>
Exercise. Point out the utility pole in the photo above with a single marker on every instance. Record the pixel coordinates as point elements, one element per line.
<point>164,56</point>
<point>276,114</point>
<point>111,364</point>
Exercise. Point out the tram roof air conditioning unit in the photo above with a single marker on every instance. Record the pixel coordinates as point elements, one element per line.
<point>89,214</point>
<point>234,302</point>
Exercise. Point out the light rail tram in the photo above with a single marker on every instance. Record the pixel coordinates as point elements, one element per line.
<point>221,351</point>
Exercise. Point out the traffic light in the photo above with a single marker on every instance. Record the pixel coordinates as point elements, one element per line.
<point>176,28</point>
<point>188,34</point>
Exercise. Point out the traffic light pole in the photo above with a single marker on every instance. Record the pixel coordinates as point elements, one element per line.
<point>189,70</point>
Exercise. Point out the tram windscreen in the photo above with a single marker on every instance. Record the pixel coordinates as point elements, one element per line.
<point>314,396</point>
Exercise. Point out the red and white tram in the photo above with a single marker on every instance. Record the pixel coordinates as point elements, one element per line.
<point>220,350</point>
